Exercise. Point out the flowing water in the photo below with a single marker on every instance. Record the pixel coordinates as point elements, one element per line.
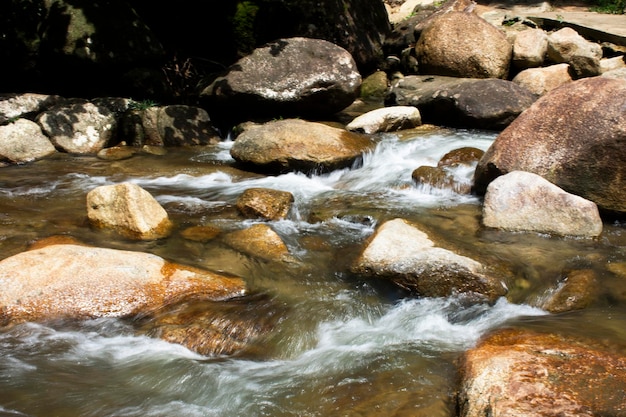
<point>344,346</point>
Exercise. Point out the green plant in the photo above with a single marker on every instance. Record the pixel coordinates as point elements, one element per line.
<point>142,105</point>
<point>609,6</point>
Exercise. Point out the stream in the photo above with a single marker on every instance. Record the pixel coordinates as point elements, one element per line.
<point>344,345</point>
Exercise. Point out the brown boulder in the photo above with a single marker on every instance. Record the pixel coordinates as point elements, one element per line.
<point>265,203</point>
<point>75,281</point>
<point>521,373</point>
<point>298,145</point>
<point>461,44</point>
<point>259,241</point>
<point>573,137</point>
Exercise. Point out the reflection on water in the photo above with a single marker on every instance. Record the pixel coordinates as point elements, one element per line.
<point>345,346</point>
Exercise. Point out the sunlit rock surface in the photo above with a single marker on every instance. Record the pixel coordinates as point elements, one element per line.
<point>524,374</point>
<point>400,252</point>
<point>78,282</point>
<point>522,201</point>
<point>128,210</point>
<point>298,145</point>
<point>573,136</point>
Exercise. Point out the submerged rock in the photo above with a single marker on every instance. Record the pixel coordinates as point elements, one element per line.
<point>575,291</point>
<point>259,241</point>
<point>526,374</point>
<point>265,203</point>
<point>400,252</point>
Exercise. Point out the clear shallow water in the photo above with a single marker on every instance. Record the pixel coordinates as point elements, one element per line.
<point>345,346</point>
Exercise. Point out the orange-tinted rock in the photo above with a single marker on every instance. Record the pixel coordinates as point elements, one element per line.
<point>265,203</point>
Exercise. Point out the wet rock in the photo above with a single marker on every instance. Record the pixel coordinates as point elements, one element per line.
<point>555,139</point>
<point>298,145</point>
<point>79,128</point>
<point>461,156</point>
<point>400,252</point>
<point>23,141</point>
<point>287,77</point>
<point>116,153</point>
<point>530,48</point>
<point>521,373</point>
<point>259,241</point>
<point>542,80</point>
<point>386,119</point>
<point>265,203</point>
<point>461,102</point>
<point>201,233</point>
<point>15,106</point>
<point>216,328</point>
<point>583,56</point>
<point>523,201</point>
<point>78,282</point>
<point>436,177</point>
<point>461,44</point>
<point>175,125</point>
<point>575,291</point>
<point>128,210</point>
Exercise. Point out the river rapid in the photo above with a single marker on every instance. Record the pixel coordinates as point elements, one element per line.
<point>343,346</point>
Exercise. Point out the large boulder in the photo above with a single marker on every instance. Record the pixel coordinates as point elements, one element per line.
<point>294,144</point>
<point>573,137</point>
<point>129,210</point>
<point>293,76</point>
<point>526,374</point>
<point>467,103</point>
<point>522,201</point>
<point>23,141</point>
<point>402,253</point>
<point>175,125</point>
<point>28,105</point>
<point>462,44</point>
<point>75,281</point>
<point>79,128</point>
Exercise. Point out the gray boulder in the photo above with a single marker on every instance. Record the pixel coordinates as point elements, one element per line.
<point>522,201</point>
<point>298,145</point>
<point>573,137</point>
<point>23,141</point>
<point>468,103</point>
<point>175,125</point>
<point>400,252</point>
<point>462,44</point>
<point>294,76</point>
<point>14,106</point>
<point>79,128</point>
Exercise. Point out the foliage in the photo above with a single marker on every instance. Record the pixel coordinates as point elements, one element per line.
<point>142,105</point>
<point>609,6</point>
<point>243,26</point>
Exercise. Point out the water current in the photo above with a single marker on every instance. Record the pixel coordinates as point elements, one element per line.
<point>344,346</point>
